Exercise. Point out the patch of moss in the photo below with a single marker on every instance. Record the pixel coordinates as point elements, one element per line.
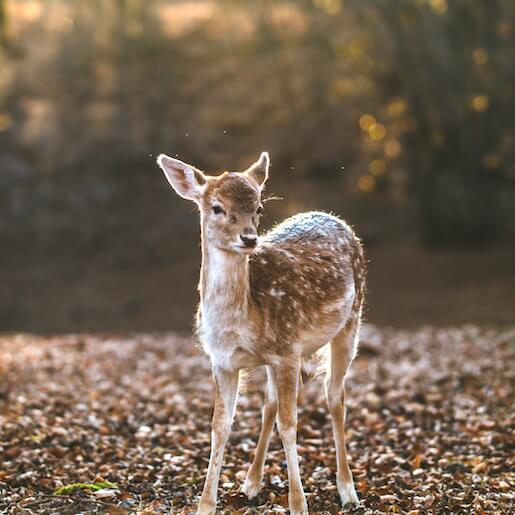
<point>74,487</point>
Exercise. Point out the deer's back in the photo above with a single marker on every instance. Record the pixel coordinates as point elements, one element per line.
<point>306,277</point>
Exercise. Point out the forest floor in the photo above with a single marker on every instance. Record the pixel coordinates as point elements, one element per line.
<point>430,426</point>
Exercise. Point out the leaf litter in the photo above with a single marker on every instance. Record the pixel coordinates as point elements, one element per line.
<point>430,427</point>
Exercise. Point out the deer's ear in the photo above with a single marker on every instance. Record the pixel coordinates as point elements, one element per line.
<point>186,180</point>
<point>259,170</point>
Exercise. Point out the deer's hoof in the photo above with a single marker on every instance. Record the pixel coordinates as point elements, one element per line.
<point>251,488</point>
<point>298,507</point>
<point>348,494</point>
<point>206,508</point>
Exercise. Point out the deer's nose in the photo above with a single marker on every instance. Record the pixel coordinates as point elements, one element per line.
<point>249,240</point>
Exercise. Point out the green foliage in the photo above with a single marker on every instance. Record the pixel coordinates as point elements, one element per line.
<point>93,487</point>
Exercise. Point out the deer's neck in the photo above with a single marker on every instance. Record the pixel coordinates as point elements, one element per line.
<point>225,316</point>
<point>224,279</point>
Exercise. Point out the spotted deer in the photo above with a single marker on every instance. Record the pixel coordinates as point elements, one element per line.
<point>269,301</point>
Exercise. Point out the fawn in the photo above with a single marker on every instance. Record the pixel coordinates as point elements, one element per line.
<point>269,301</point>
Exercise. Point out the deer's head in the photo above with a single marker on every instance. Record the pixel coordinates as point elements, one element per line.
<point>230,203</point>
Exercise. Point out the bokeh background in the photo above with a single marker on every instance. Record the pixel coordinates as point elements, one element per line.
<point>399,116</point>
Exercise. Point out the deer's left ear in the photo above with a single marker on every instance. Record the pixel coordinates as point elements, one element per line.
<point>258,171</point>
<point>185,179</point>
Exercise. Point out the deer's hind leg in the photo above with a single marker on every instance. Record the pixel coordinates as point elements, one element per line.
<point>286,377</point>
<point>252,484</point>
<point>343,348</point>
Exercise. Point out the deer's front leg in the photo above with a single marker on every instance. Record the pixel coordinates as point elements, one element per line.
<point>255,474</point>
<point>286,379</point>
<point>226,384</point>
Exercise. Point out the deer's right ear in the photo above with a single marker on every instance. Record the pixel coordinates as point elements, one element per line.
<point>186,180</point>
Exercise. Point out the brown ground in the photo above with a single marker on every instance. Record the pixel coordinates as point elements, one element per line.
<point>430,426</point>
<point>154,289</point>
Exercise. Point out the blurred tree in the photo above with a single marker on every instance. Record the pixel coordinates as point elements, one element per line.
<point>3,23</point>
<point>372,100</point>
<point>448,66</point>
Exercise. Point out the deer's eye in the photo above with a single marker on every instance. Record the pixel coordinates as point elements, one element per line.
<point>217,210</point>
<point>259,210</point>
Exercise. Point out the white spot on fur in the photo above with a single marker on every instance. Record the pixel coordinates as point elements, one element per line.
<point>277,293</point>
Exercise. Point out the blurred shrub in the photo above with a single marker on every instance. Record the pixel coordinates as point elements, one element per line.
<point>410,101</point>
